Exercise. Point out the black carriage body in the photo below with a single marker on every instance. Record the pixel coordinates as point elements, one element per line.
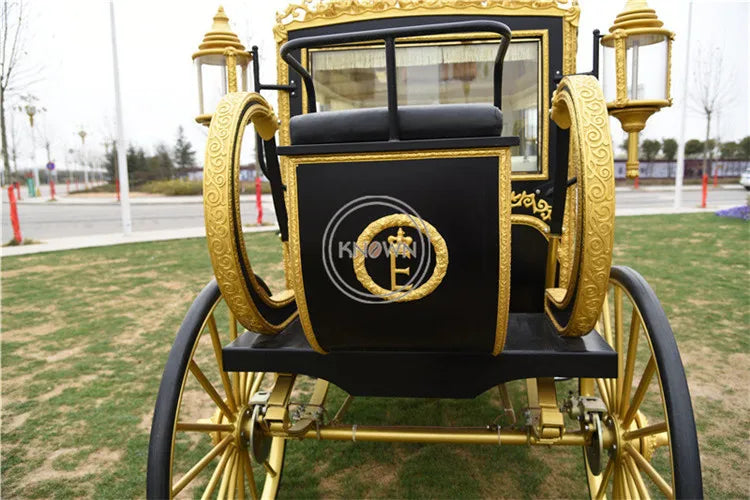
<point>529,242</point>
<point>458,196</point>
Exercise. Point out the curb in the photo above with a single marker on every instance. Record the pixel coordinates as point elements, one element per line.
<point>103,240</point>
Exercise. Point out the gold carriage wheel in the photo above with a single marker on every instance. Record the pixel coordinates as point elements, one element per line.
<point>585,252</point>
<point>245,296</point>
<point>655,450</point>
<point>202,432</point>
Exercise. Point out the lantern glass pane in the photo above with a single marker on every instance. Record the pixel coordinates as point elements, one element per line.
<point>213,81</point>
<point>647,66</point>
<point>608,74</point>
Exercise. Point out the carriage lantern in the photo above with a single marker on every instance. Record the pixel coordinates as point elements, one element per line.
<point>637,73</point>
<point>221,58</point>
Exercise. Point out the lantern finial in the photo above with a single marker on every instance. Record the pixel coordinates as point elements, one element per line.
<point>637,14</point>
<point>221,35</point>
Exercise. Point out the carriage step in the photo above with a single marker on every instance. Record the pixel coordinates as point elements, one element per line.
<point>532,349</point>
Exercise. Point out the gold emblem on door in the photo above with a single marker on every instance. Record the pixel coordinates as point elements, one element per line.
<point>409,258</point>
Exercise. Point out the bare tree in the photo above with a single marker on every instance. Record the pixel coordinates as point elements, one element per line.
<point>13,75</point>
<point>711,91</point>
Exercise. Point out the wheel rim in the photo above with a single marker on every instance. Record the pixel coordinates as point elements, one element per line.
<point>640,463</point>
<point>210,438</point>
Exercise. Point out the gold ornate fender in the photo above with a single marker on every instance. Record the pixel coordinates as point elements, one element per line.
<point>247,297</point>
<point>585,252</point>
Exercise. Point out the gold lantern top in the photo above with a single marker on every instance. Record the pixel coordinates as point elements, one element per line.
<point>221,48</point>
<point>637,45</point>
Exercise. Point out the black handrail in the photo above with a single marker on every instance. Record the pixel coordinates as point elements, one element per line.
<point>389,35</point>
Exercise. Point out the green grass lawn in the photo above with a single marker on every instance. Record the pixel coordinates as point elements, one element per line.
<point>85,335</point>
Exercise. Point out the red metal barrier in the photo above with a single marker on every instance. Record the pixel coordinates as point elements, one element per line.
<point>14,216</point>
<point>704,192</point>
<point>636,183</point>
<point>52,189</point>
<point>716,179</point>
<point>117,188</point>
<point>258,203</point>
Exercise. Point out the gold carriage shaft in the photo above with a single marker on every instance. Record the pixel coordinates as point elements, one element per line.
<point>444,187</point>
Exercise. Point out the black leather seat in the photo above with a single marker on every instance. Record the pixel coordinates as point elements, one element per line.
<point>445,121</point>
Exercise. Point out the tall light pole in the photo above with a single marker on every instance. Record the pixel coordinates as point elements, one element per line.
<point>82,135</point>
<point>122,165</point>
<point>680,170</point>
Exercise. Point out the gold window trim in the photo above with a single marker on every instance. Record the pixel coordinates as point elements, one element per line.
<point>543,95</point>
<point>309,14</point>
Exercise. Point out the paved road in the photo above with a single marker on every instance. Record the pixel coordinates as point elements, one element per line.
<point>54,220</point>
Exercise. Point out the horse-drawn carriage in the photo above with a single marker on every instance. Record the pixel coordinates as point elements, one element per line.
<point>444,187</point>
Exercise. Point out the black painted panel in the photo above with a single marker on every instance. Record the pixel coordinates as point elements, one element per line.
<point>459,197</point>
<point>533,349</point>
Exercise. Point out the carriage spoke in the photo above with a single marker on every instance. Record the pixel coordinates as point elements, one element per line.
<point>640,392</point>
<point>605,479</point>
<point>646,467</point>
<point>240,478</point>
<point>604,391</point>
<point>217,474</point>
<point>637,479</point>
<point>617,484</point>
<point>635,323</point>
<point>202,463</point>
<point>232,484</point>
<point>209,388</point>
<point>619,341</point>
<point>241,388</point>
<point>216,342</point>
<point>225,477</point>
<point>649,430</point>
<point>630,481</point>
<point>256,383</point>
<point>249,473</point>
<point>204,427</point>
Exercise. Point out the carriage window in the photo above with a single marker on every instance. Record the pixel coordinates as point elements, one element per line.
<point>439,74</point>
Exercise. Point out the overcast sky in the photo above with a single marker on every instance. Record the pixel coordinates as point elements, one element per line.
<point>69,41</point>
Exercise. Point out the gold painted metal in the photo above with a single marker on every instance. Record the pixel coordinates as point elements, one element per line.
<point>530,220</point>
<point>224,428</point>
<point>221,204</point>
<point>528,200</point>
<point>634,463</point>
<point>308,14</point>
<point>402,294</point>
<point>504,221</point>
<point>551,267</point>
<point>548,422</point>
<point>578,104</point>
<point>410,434</point>
<point>221,41</point>
<point>637,19</point>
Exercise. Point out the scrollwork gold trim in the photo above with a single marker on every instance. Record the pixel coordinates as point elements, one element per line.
<point>528,200</point>
<point>226,244</point>
<point>578,104</point>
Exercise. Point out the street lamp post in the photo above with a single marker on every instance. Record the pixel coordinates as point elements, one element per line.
<point>636,46</point>
<point>31,110</point>
<point>82,135</point>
